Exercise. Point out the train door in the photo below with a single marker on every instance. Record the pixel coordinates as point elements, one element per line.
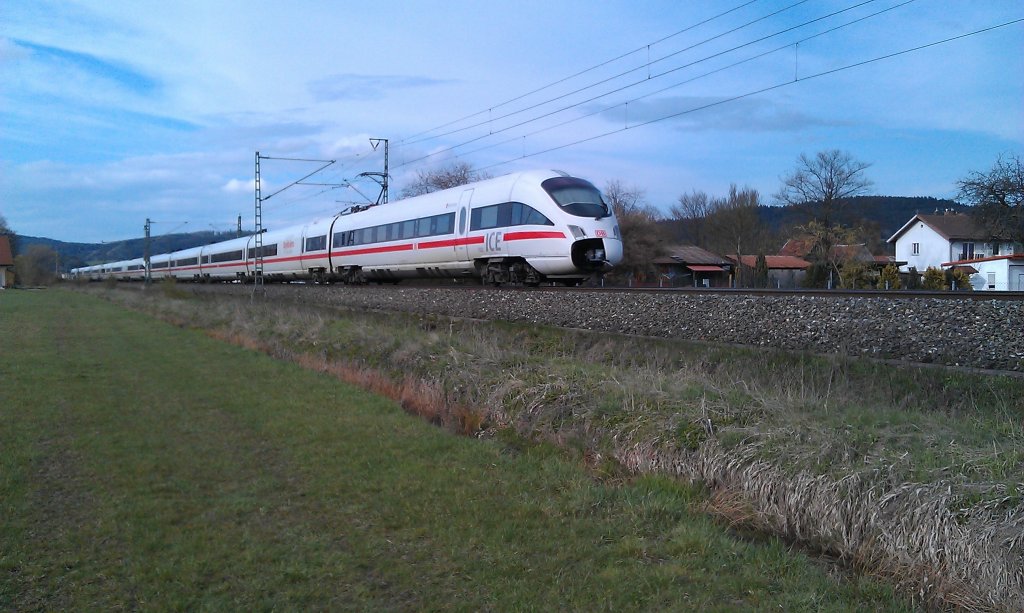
<point>462,226</point>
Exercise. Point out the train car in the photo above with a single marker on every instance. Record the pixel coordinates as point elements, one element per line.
<point>525,227</point>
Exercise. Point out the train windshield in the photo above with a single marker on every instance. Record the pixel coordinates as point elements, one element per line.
<point>576,197</point>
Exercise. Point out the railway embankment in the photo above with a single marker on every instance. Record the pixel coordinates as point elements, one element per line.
<point>986,334</point>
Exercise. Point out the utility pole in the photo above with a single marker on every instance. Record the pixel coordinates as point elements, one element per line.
<point>380,178</point>
<point>257,269</point>
<point>145,252</point>
<point>258,237</point>
<point>238,231</point>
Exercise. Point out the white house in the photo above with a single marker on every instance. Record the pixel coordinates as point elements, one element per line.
<point>956,240</point>
<point>996,273</point>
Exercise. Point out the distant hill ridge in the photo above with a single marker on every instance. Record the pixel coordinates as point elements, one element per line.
<point>73,255</point>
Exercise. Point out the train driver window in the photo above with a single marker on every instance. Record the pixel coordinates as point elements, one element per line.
<point>533,217</point>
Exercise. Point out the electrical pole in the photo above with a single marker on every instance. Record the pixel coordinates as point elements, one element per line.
<point>238,231</point>
<point>258,237</point>
<point>374,142</point>
<point>257,269</point>
<point>380,178</point>
<point>145,252</point>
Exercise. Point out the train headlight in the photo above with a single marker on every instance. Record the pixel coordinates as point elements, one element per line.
<point>577,232</point>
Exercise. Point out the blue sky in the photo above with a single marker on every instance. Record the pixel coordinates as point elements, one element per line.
<point>112,112</point>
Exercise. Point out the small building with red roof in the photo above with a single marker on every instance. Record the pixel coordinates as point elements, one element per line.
<point>6,262</point>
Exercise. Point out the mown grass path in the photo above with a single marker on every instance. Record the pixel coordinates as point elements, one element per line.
<point>144,466</point>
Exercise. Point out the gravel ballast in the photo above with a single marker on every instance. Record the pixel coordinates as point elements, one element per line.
<point>987,334</point>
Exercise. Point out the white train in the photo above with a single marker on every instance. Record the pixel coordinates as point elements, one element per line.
<point>525,227</point>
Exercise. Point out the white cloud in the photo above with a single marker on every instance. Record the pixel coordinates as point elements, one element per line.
<point>235,186</point>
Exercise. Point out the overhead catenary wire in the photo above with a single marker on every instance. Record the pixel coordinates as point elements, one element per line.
<point>645,65</point>
<point>581,72</point>
<point>656,76</point>
<point>658,91</point>
<point>799,79</point>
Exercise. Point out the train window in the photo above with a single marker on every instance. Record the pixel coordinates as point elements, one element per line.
<point>506,214</point>
<point>158,265</point>
<point>446,225</point>
<point>226,256</point>
<point>533,217</point>
<point>409,229</point>
<point>187,262</point>
<point>576,197</point>
<point>265,250</point>
<point>423,227</point>
<point>462,220</point>
<point>270,249</point>
<point>316,243</point>
<point>206,259</point>
<point>484,218</point>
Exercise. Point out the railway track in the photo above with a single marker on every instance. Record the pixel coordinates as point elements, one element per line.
<point>957,330</point>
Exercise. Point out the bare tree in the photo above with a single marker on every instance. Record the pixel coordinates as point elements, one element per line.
<point>823,240</point>
<point>36,266</point>
<point>691,215</point>
<point>824,183</point>
<point>998,197</point>
<point>642,236</point>
<point>734,225</point>
<point>453,175</point>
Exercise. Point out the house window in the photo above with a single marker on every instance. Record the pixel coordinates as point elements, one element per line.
<point>917,248</point>
<point>991,280</point>
<point>995,248</point>
<point>967,252</point>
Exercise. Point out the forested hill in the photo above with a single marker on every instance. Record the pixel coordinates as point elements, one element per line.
<point>888,213</point>
<point>83,254</point>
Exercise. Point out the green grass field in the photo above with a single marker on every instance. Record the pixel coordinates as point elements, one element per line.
<point>147,466</point>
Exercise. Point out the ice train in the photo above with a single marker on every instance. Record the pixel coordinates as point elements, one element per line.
<point>526,227</point>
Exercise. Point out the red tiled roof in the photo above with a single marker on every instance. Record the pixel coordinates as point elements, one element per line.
<point>692,254</point>
<point>6,258</point>
<point>797,247</point>
<point>1012,257</point>
<point>705,268</point>
<point>775,262</point>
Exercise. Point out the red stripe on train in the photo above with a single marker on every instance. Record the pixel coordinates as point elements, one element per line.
<point>522,236</point>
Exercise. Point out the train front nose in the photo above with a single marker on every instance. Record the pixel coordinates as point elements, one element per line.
<point>612,251</point>
<point>596,253</point>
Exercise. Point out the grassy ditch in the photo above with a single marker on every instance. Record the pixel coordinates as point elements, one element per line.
<point>146,466</point>
<point>914,474</point>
